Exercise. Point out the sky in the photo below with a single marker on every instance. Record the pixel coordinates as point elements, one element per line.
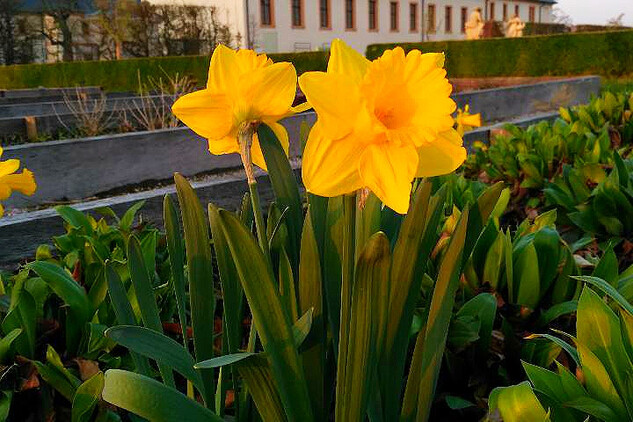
<point>597,11</point>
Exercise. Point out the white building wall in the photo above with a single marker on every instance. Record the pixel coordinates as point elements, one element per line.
<point>282,37</point>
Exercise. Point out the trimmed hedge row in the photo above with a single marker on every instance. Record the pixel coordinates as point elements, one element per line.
<point>603,53</point>
<point>600,53</point>
<point>121,75</point>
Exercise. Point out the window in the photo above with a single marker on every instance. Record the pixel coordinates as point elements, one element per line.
<point>324,14</point>
<point>464,19</point>
<point>297,13</point>
<point>492,11</point>
<point>517,9</point>
<point>393,15</point>
<point>350,14</point>
<point>505,12</point>
<point>413,17</point>
<point>532,13</point>
<point>431,18</point>
<point>266,12</point>
<point>373,15</point>
<point>448,19</point>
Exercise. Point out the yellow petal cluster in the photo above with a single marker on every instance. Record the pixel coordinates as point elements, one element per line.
<point>466,121</point>
<point>242,88</point>
<point>380,124</point>
<point>11,180</point>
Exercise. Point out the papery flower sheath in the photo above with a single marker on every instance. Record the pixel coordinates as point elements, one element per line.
<point>380,124</point>
<point>12,181</point>
<point>243,88</point>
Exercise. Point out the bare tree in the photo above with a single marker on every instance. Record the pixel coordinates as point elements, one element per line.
<point>616,22</point>
<point>561,17</point>
<point>61,32</point>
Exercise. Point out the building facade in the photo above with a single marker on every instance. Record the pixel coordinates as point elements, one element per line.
<point>306,25</point>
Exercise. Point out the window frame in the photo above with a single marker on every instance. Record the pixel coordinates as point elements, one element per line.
<point>431,23</point>
<point>271,13</point>
<point>328,4</point>
<point>413,17</point>
<point>464,18</point>
<point>393,28</point>
<point>376,20</point>
<point>353,14</point>
<point>492,11</point>
<point>532,14</point>
<point>448,19</point>
<point>302,14</point>
<point>505,12</point>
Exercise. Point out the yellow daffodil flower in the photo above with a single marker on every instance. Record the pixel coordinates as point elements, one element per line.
<point>380,124</point>
<point>10,180</point>
<point>243,90</point>
<point>466,121</point>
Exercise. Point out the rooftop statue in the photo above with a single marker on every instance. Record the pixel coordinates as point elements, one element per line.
<point>514,27</point>
<point>475,25</point>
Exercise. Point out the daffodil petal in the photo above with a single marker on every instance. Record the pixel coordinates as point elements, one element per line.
<point>23,182</point>
<point>207,114</point>
<point>442,156</point>
<point>330,167</point>
<point>224,76</point>
<point>1,210</point>
<point>270,92</point>
<point>256,150</point>
<point>300,108</point>
<point>388,170</point>
<point>335,99</point>
<point>226,145</point>
<point>345,60</point>
<point>9,166</point>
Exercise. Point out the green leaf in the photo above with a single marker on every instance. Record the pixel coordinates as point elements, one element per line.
<point>311,298</point>
<point>223,360</point>
<point>332,259</point>
<point>146,298</point>
<point>200,271</point>
<point>594,408</point>
<point>124,312</point>
<point>74,218</point>
<point>257,374</point>
<point>609,290</point>
<point>86,398</point>
<point>158,347</point>
<point>23,316</point>
<point>484,308</point>
<point>152,400</point>
<point>176,260</point>
<point>440,313</point>
<point>598,330</point>
<point>7,342</point>
<point>573,353</point>
<point>55,374</point>
<point>516,404</point>
<point>285,187</point>
<point>367,322</point>
<point>458,403</point>
<point>128,218</point>
<point>64,286</point>
<point>270,320</point>
<point>526,277</point>
<point>557,311</point>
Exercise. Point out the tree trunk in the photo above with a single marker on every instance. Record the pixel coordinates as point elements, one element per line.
<point>67,38</point>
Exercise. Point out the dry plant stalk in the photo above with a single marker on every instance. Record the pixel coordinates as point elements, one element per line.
<point>152,110</point>
<point>91,114</point>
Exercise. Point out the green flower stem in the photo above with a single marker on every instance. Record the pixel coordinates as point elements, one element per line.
<point>348,264</point>
<point>259,220</point>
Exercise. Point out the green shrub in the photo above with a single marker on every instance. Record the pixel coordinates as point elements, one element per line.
<point>121,75</point>
<point>601,53</point>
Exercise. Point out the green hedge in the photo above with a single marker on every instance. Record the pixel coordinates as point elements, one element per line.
<point>121,75</point>
<point>601,53</point>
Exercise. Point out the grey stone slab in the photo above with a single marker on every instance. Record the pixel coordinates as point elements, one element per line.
<point>39,92</point>
<point>80,168</point>
<point>20,235</point>
<point>65,107</point>
<point>499,104</point>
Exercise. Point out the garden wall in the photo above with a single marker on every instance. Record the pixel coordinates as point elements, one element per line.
<point>600,53</point>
